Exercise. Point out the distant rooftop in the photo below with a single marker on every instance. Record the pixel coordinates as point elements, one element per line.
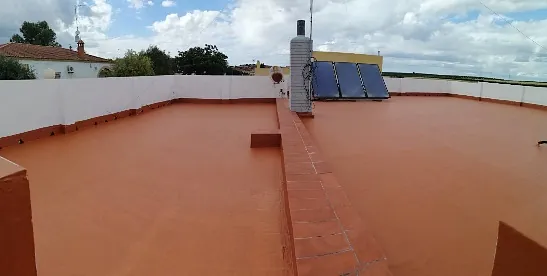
<point>39,52</point>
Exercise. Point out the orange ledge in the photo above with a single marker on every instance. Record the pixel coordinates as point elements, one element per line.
<point>16,230</point>
<point>517,254</point>
<point>266,139</point>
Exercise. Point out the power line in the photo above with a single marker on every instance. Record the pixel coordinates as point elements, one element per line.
<point>514,27</point>
<point>215,18</point>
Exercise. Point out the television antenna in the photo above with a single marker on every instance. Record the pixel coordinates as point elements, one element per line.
<point>76,15</point>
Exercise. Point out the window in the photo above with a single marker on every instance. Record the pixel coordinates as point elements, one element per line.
<point>57,75</point>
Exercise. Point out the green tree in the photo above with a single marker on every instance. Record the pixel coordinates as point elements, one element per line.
<point>38,33</point>
<point>11,69</point>
<point>236,72</point>
<point>105,73</point>
<point>202,61</point>
<point>132,64</point>
<point>162,63</point>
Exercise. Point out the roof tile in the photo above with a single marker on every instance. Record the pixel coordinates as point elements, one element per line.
<point>29,51</point>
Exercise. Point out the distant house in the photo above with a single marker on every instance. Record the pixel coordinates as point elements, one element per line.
<point>66,63</point>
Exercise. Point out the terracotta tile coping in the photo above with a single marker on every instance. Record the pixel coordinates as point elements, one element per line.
<point>16,231</point>
<point>63,129</point>
<point>327,235</point>
<point>529,105</point>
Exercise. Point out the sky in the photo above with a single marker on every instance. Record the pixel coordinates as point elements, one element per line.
<point>466,37</point>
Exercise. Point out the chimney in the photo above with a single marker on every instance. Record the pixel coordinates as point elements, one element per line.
<point>81,50</point>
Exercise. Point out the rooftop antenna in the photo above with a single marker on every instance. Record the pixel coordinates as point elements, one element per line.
<point>76,14</point>
<point>311,20</point>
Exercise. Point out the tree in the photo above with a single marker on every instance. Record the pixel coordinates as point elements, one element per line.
<point>38,33</point>
<point>162,63</point>
<point>133,64</point>
<point>105,73</point>
<point>202,61</point>
<point>11,69</point>
<point>236,72</point>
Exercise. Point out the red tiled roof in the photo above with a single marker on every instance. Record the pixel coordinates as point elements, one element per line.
<point>29,51</point>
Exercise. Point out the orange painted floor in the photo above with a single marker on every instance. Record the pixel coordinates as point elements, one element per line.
<point>432,176</point>
<point>176,191</point>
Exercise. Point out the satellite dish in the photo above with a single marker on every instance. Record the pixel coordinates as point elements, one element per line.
<point>276,74</point>
<point>49,74</point>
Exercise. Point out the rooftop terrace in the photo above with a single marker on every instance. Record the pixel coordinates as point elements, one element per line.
<point>156,175</point>
<point>175,190</point>
<point>433,183</point>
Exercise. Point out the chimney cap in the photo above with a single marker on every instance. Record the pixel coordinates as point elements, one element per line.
<point>301,27</point>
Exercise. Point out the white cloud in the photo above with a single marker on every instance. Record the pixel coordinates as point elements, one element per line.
<point>139,4</point>
<point>136,4</point>
<point>413,35</point>
<point>168,3</point>
<point>94,21</point>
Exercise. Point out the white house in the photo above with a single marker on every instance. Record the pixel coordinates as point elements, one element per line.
<point>66,63</point>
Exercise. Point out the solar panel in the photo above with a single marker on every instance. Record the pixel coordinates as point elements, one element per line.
<point>349,81</point>
<point>373,81</point>
<point>324,81</point>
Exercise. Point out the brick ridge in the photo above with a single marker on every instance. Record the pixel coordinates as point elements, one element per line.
<point>328,235</point>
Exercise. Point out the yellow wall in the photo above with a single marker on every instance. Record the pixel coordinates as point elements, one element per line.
<point>329,56</point>
<point>266,71</point>
<point>349,57</point>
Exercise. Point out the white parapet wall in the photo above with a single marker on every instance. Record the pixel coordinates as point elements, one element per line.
<point>424,86</point>
<point>503,92</point>
<point>535,95</point>
<point>35,104</point>
<point>28,105</point>
<point>470,89</point>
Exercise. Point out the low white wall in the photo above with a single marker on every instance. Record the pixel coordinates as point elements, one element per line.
<point>503,92</point>
<point>23,109</point>
<point>472,89</point>
<point>515,93</point>
<point>409,85</point>
<point>88,98</point>
<point>33,104</point>
<point>535,95</point>
<point>393,84</point>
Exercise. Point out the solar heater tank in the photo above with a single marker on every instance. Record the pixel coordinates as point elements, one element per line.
<point>301,47</point>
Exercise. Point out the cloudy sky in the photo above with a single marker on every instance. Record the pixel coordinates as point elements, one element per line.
<point>433,36</point>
